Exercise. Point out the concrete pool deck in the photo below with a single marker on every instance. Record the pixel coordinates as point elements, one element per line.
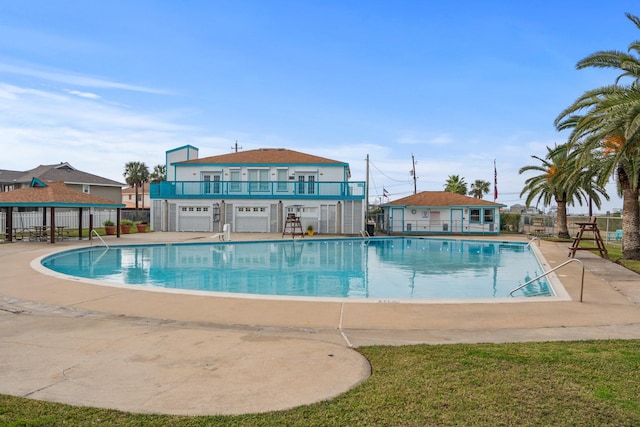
<point>140,351</point>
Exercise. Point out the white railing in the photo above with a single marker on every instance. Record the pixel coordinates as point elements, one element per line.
<point>442,226</point>
<point>98,236</point>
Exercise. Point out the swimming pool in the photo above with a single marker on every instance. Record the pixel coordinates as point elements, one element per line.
<point>378,268</point>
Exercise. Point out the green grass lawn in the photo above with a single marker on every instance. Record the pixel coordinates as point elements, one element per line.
<point>593,383</point>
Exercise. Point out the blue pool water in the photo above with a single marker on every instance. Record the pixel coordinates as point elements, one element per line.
<point>380,268</point>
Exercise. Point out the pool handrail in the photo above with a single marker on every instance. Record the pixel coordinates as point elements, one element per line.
<point>551,271</point>
<point>99,237</point>
<point>532,240</point>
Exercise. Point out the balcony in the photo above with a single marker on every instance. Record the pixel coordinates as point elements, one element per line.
<point>258,190</point>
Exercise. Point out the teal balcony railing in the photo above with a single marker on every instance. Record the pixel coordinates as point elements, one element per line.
<point>258,189</point>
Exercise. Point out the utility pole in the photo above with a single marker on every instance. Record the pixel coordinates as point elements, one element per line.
<point>236,147</point>
<point>366,214</point>
<point>412,172</point>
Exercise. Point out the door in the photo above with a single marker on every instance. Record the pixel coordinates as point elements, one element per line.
<point>397,220</point>
<point>456,220</point>
<point>211,182</point>
<point>306,183</point>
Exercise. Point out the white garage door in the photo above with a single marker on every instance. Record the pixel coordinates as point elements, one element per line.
<point>194,218</point>
<point>252,219</point>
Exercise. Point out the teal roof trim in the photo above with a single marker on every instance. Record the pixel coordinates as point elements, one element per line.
<point>263,165</point>
<point>182,148</point>
<point>35,182</point>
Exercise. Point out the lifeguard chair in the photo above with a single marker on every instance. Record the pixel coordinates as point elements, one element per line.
<point>292,226</point>
<point>591,226</point>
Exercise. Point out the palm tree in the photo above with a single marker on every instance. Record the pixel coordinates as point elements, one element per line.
<point>563,181</point>
<point>479,188</point>
<point>159,174</point>
<point>455,184</point>
<point>608,119</point>
<point>626,170</point>
<point>136,174</point>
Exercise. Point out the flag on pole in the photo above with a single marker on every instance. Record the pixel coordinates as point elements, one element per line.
<point>495,182</point>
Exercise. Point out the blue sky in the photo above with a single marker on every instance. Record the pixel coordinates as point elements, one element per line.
<point>456,84</point>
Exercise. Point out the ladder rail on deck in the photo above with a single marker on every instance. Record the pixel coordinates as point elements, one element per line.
<point>99,237</point>
<point>551,271</point>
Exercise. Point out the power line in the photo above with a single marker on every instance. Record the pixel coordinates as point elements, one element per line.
<point>383,174</point>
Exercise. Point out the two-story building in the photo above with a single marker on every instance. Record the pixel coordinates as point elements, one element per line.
<point>254,191</point>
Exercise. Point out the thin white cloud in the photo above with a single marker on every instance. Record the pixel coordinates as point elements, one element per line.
<point>73,79</point>
<point>44,127</point>
<point>88,95</point>
<point>11,92</point>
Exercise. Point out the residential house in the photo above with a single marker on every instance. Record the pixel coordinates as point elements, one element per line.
<point>129,197</point>
<point>441,212</point>
<point>255,191</point>
<point>73,178</point>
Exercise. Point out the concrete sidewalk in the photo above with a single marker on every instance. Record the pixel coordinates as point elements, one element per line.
<point>162,366</point>
<point>140,351</point>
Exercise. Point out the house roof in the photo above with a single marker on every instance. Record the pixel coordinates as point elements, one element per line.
<point>57,172</point>
<point>52,194</point>
<point>278,156</point>
<point>10,176</point>
<point>132,190</point>
<point>440,199</point>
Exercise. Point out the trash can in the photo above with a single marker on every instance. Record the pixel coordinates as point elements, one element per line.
<point>371,228</point>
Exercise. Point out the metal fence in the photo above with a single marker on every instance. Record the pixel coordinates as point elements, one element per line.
<point>547,225</point>
<point>69,219</point>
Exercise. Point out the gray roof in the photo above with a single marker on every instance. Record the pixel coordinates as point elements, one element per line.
<point>58,172</point>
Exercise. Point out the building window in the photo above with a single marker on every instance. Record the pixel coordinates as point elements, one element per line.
<point>85,188</point>
<point>283,175</point>
<point>488,215</point>
<point>474,215</point>
<point>259,179</point>
<point>311,188</point>
<point>234,178</point>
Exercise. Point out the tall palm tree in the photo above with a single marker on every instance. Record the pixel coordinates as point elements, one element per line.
<point>479,188</point>
<point>455,184</point>
<point>626,170</point>
<point>136,174</point>
<point>560,182</point>
<point>608,119</point>
<point>159,174</point>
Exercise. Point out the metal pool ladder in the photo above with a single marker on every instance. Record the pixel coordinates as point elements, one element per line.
<point>99,237</point>
<point>551,271</point>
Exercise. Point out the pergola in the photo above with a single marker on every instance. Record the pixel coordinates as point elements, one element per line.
<point>52,195</point>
